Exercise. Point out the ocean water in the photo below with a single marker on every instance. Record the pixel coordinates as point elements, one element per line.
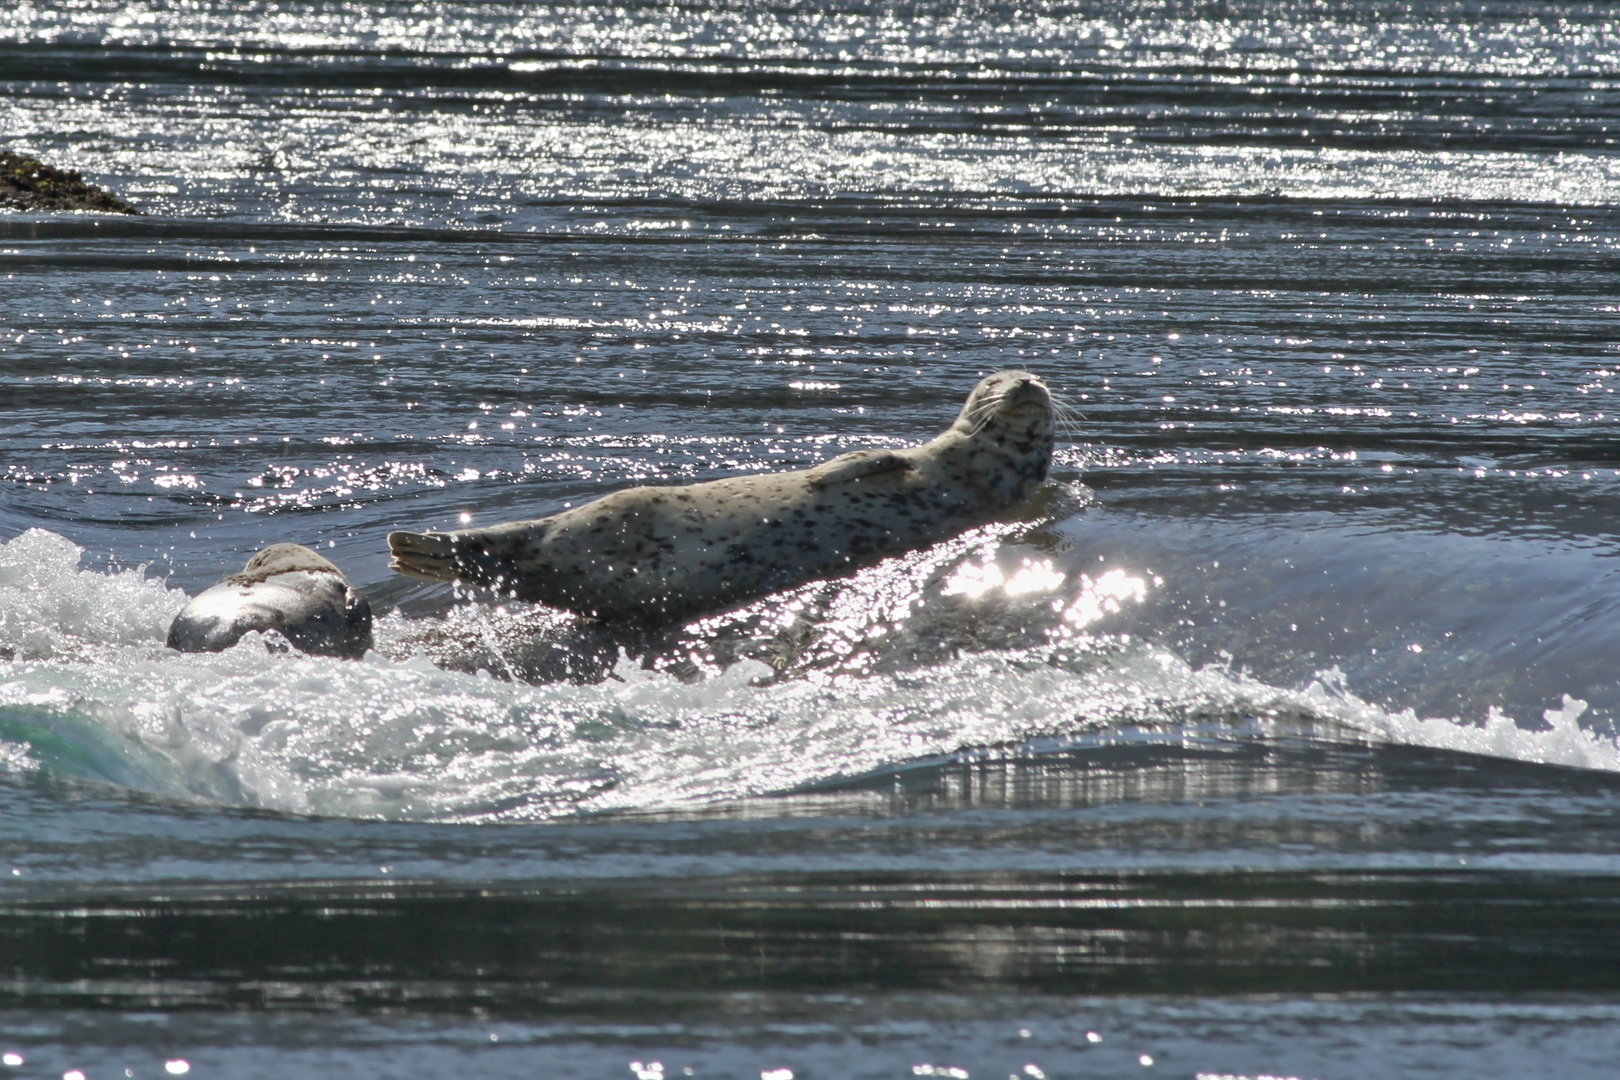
<point>1276,737</point>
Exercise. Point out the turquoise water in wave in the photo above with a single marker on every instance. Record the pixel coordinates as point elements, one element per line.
<point>1277,737</point>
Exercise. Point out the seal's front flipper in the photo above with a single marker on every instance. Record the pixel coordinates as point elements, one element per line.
<point>852,466</point>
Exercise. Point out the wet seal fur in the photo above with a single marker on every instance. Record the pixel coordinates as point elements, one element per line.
<point>653,554</point>
<point>285,587</point>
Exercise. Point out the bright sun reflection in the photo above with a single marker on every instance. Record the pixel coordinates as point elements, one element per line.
<point>1103,596</point>
<point>974,580</point>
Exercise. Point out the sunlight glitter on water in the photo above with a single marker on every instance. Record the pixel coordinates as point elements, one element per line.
<point>975,580</point>
<point>522,144</point>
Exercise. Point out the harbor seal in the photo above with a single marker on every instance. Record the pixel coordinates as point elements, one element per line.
<point>285,587</point>
<point>655,554</point>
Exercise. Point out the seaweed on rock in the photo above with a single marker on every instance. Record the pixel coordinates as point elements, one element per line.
<point>31,185</point>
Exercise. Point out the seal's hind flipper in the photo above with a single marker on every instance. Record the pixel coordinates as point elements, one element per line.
<point>424,555</point>
<point>852,466</point>
<point>475,556</point>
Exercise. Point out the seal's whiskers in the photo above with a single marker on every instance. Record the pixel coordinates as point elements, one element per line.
<point>1066,417</point>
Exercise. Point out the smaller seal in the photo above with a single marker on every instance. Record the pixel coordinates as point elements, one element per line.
<point>285,587</point>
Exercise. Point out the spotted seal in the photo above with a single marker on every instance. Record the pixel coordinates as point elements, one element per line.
<point>285,587</point>
<point>653,554</point>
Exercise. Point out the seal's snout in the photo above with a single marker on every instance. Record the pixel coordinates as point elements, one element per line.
<point>1000,396</point>
<point>1016,385</point>
<point>1027,390</point>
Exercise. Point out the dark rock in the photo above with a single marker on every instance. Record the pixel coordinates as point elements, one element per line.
<point>29,184</point>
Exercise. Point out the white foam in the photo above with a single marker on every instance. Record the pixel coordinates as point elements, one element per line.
<point>48,605</point>
<point>405,739</point>
<point>1565,743</point>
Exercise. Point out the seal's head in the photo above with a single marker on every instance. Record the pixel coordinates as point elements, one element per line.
<point>1000,397</point>
<point>1008,421</point>
<point>281,559</point>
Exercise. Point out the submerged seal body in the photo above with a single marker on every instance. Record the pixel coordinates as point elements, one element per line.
<point>285,587</point>
<point>657,553</point>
